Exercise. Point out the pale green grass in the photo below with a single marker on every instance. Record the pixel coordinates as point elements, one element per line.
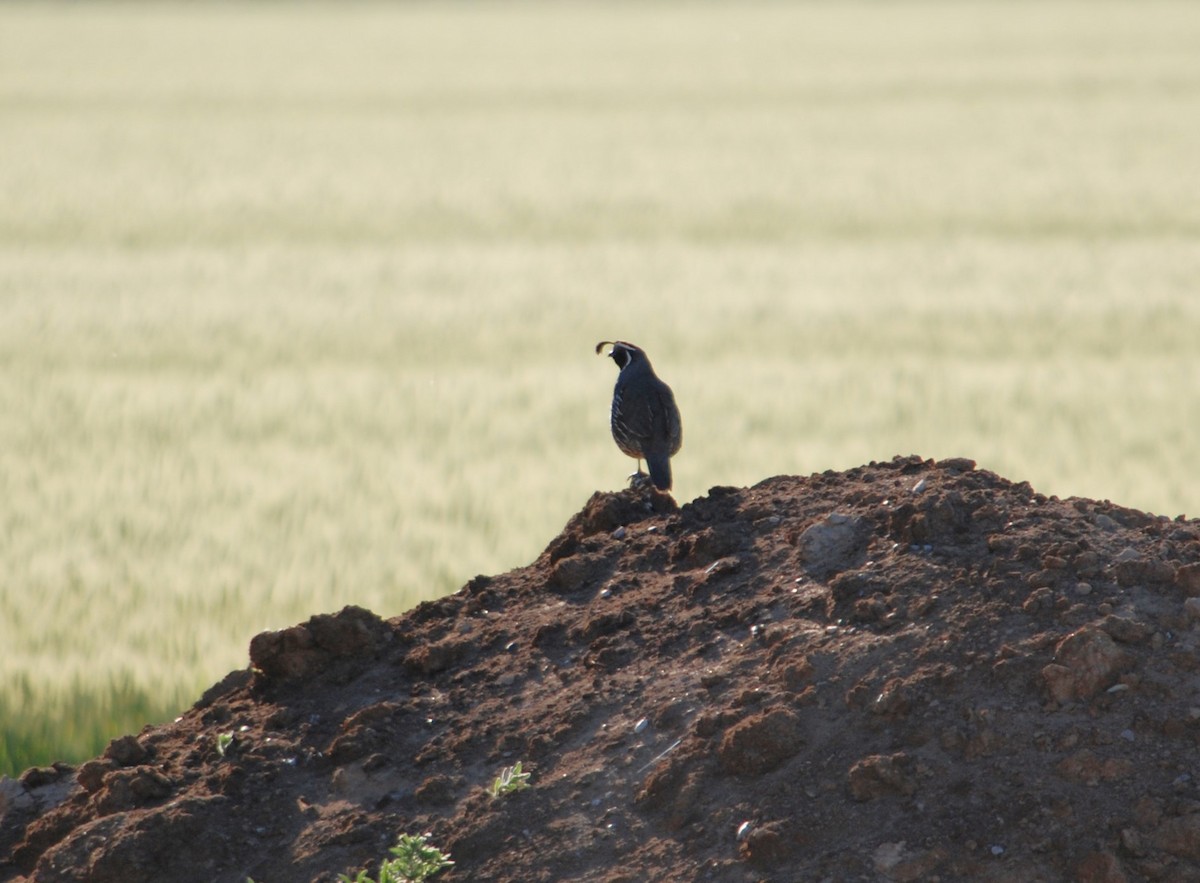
<point>297,301</point>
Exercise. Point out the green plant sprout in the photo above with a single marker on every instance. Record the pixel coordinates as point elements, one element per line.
<point>415,860</point>
<point>224,741</point>
<point>510,780</point>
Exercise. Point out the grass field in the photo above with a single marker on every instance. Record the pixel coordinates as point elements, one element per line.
<point>297,302</point>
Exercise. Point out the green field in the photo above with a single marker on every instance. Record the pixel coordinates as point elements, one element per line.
<point>297,302</point>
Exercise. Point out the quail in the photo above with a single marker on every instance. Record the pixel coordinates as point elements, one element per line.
<point>645,421</point>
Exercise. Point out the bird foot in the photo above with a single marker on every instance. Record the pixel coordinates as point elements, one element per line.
<point>639,480</point>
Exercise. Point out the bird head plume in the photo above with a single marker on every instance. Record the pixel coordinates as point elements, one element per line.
<point>622,353</point>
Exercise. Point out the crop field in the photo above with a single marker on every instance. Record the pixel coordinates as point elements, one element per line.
<point>297,302</point>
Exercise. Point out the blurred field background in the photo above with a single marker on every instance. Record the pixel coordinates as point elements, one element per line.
<point>297,301</point>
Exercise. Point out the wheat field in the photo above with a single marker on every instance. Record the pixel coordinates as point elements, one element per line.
<point>297,301</point>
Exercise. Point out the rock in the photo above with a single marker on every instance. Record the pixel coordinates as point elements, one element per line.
<point>40,787</point>
<point>1126,630</point>
<point>1180,837</point>
<point>957,464</point>
<point>578,572</point>
<point>304,650</point>
<point>431,658</point>
<point>39,776</point>
<point>917,867</point>
<point>833,543</point>
<point>1085,662</point>
<point>13,796</point>
<point>354,631</point>
<point>126,789</point>
<point>1041,579</point>
<point>765,845</point>
<point>1101,867</point>
<point>1137,571</point>
<point>710,545</point>
<point>1038,599</point>
<point>1088,563</point>
<point>91,774</point>
<point>150,785</point>
<point>1187,578</point>
<point>286,653</point>
<point>126,751</point>
<point>882,775</point>
<point>761,742</point>
<point>1088,768</point>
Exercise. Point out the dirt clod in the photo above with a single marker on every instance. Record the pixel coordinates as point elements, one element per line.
<point>906,671</point>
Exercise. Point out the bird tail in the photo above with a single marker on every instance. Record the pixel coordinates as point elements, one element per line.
<point>660,470</point>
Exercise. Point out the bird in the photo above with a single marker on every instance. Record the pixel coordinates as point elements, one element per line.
<point>645,420</point>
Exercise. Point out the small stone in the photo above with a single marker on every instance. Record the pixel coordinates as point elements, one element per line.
<point>1087,563</point>
<point>887,856</point>
<point>1088,768</point>
<point>127,751</point>
<point>1180,837</point>
<point>1126,630</point>
<point>765,845</point>
<point>881,775</point>
<point>831,543</point>
<point>150,784</point>
<point>1101,867</point>
<point>91,774</point>
<point>13,795</point>
<point>1187,577</point>
<point>1087,661</point>
<point>39,776</point>
<point>1040,579</point>
<point>957,464</point>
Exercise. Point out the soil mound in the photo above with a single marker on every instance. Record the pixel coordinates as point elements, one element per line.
<point>907,671</point>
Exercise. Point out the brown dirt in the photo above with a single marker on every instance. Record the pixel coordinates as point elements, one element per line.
<point>906,671</point>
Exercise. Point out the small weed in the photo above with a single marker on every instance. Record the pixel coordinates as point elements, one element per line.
<point>224,742</point>
<point>510,780</point>
<point>415,860</point>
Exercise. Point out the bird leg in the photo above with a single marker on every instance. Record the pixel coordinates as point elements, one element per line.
<point>639,479</point>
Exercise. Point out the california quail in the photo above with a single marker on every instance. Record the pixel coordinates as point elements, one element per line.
<point>645,421</point>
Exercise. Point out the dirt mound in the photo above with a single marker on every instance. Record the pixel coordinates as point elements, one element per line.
<point>906,671</point>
